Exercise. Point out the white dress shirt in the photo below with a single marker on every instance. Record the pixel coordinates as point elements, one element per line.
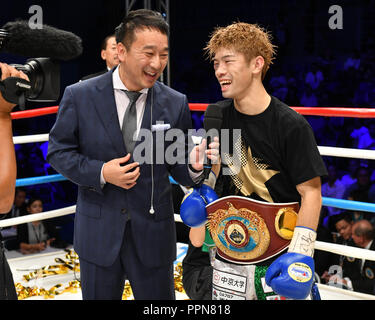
<point>122,102</point>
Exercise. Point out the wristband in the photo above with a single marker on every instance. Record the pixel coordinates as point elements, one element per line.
<point>194,170</point>
<point>303,241</point>
<point>211,180</point>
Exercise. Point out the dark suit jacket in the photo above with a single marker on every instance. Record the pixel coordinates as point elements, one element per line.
<point>85,136</point>
<point>93,75</point>
<point>362,281</point>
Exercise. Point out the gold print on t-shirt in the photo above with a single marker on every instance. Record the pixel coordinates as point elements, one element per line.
<point>253,173</point>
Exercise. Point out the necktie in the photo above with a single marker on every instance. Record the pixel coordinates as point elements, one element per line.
<point>129,124</point>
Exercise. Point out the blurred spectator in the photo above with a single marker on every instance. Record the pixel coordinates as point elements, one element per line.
<point>353,62</point>
<point>362,190</point>
<point>314,77</point>
<point>19,205</point>
<point>371,131</point>
<point>350,177</point>
<point>331,132</point>
<point>343,224</point>
<point>309,98</point>
<point>109,54</point>
<point>333,188</point>
<point>9,234</point>
<point>363,236</point>
<point>362,137</point>
<point>359,191</point>
<point>279,86</point>
<point>358,274</point>
<point>323,259</point>
<point>37,235</point>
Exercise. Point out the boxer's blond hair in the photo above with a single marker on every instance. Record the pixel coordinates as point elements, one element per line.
<point>249,39</point>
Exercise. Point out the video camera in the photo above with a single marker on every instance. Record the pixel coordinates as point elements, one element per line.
<point>51,45</point>
<point>44,76</point>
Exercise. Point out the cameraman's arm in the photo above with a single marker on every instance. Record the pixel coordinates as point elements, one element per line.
<point>8,167</point>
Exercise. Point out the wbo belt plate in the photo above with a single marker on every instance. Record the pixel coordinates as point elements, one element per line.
<point>239,233</point>
<point>248,231</point>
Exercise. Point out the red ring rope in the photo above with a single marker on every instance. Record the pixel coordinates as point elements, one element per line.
<point>307,111</point>
<point>34,112</point>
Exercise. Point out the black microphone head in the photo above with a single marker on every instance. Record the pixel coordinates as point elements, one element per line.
<point>213,117</point>
<point>46,42</point>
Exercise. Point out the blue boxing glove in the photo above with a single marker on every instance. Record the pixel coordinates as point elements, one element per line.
<point>292,274</point>
<point>193,209</point>
<point>208,193</point>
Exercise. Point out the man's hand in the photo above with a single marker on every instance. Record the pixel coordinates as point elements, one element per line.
<point>121,176</point>
<point>197,155</point>
<point>6,72</point>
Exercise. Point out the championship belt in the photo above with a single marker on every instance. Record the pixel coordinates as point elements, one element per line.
<point>249,231</point>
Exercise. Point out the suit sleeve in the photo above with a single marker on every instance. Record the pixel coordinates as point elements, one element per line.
<point>180,171</point>
<point>64,148</point>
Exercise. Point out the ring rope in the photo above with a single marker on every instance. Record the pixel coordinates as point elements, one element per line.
<point>37,216</point>
<point>324,246</point>
<point>23,182</point>
<point>314,111</point>
<point>308,111</point>
<point>33,112</point>
<point>343,250</point>
<point>331,202</point>
<point>324,151</point>
<point>347,152</point>
<point>354,294</point>
<point>348,204</point>
<point>31,138</point>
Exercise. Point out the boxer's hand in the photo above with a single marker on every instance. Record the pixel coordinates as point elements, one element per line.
<point>292,274</point>
<point>193,209</point>
<point>197,155</point>
<point>208,193</point>
<point>6,72</point>
<point>124,176</point>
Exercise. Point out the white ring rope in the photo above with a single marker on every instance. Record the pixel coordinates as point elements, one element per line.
<point>345,292</point>
<point>343,250</point>
<point>37,216</point>
<point>31,138</point>
<point>324,246</point>
<point>347,152</point>
<point>324,151</point>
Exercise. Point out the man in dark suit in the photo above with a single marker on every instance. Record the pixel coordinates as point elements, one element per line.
<point>358,274</point>
<point>124,222</point>
<point>109,54</point>
<point>363,237</point>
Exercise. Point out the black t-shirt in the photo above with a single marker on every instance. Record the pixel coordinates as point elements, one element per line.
<point>278,151</point>
<point>195,257</point>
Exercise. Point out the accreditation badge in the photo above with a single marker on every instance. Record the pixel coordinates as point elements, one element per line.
<point>369,273</point>
<point>249,231</point>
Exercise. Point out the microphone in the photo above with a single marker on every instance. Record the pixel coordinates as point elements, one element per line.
<point>18,38</point>
<point>213,118</point>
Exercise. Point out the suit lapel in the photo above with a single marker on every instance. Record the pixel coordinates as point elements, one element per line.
<point>105,106</point>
